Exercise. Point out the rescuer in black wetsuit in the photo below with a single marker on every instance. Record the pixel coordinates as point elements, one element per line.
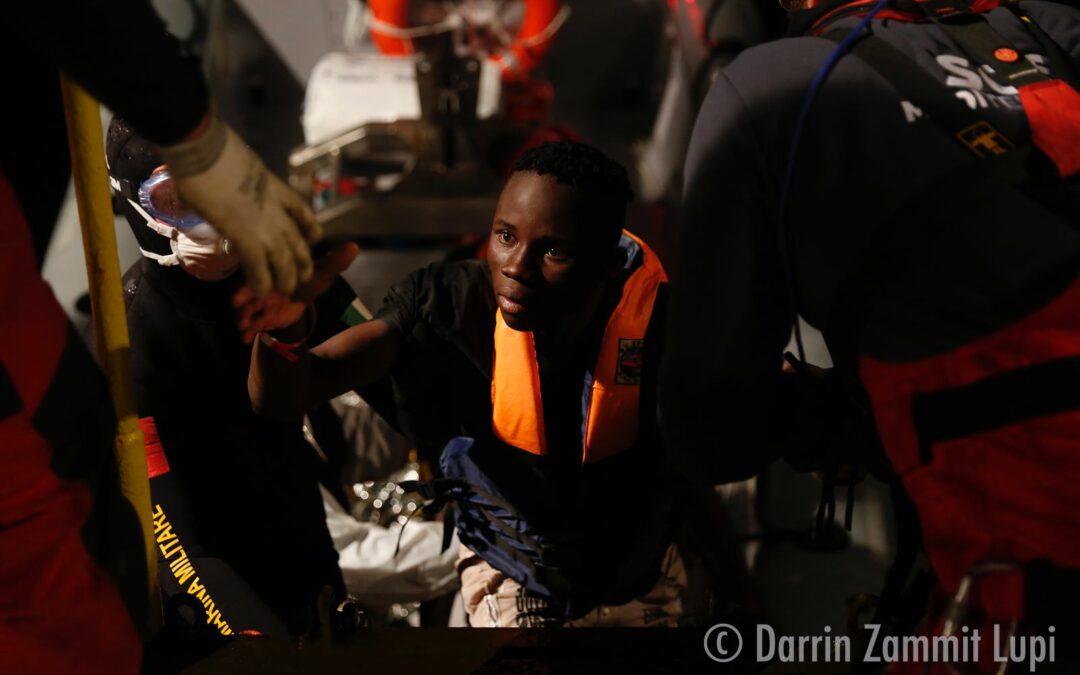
<point>944,279</point>
<point>239,492</point>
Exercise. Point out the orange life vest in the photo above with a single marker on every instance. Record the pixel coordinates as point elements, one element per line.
<point>538,25</point>
<point>611,418</point>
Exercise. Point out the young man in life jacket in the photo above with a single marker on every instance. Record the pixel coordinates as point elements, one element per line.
<point>925,219</point>
<point>534,372</point>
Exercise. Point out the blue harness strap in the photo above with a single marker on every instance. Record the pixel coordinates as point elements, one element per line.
<point>490,526</point>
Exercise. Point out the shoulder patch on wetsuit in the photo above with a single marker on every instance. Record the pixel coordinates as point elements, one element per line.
<point>628,369</point>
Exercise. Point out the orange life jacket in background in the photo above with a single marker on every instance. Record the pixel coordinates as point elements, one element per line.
<point>541,19</point>
<point>611,419</point>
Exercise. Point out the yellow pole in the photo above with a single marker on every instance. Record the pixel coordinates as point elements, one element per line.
<point>90,175</point>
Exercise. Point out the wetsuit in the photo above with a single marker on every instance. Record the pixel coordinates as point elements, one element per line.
<point>900,259</point>
<point>239,492</point>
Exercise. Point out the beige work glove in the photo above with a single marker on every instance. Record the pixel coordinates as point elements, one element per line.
<point>265,221</point>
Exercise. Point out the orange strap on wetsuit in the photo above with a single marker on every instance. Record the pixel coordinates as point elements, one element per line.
<point>1053,110</point>
<point>611,420</point>
<point>986,439</point>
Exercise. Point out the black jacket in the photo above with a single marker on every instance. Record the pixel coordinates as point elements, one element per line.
<point>248,484</point>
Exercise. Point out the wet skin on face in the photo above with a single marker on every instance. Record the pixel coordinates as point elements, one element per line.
<point>545,261</point>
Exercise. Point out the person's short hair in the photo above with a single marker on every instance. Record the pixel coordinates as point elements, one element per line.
<point>601,180</point>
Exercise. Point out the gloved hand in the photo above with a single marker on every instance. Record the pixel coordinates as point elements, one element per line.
<point>277,311</point>
<point>265,220</point>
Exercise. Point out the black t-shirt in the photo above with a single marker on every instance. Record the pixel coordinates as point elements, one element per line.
<point>988,254</point>
<point>249,482</point>
<point>445,317</point>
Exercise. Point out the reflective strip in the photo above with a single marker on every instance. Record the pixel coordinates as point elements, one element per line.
<point>156,462</point>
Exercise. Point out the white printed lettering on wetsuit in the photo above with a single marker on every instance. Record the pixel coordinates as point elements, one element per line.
<point>912,112</point>
<point>976,87</point>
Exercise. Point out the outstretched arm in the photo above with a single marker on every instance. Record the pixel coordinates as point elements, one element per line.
<point>287,378</point>
<point>284,389</point>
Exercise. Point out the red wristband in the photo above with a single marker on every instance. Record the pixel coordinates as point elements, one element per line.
<point>288,349</point>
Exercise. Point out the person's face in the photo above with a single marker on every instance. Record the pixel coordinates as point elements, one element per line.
<point>543,255</point>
